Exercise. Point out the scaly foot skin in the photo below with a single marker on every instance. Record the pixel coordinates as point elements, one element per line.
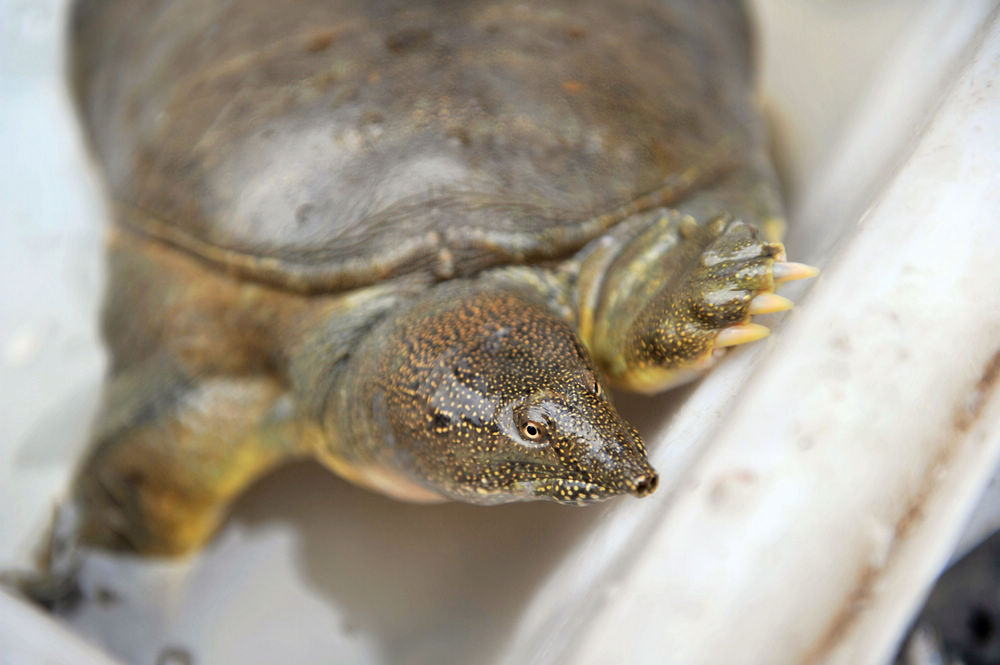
<point>685,328</point>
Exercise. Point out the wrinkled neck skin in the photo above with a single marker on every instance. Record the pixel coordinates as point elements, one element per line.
<point>477,391</point>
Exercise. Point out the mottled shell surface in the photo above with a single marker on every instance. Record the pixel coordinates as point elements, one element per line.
<point>344,143</point>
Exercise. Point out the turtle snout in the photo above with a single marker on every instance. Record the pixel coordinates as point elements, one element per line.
<point>643,483</point>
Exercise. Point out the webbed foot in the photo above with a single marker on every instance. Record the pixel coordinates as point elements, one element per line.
<point>55,592</point>
<point>708,305</point>
<point>53,582</point>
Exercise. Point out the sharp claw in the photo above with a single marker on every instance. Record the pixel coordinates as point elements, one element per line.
<point>787,271</point>
<point>741,334</point>
<point>765,303</point>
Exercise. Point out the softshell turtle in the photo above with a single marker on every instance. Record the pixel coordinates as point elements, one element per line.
<point>412,240</point>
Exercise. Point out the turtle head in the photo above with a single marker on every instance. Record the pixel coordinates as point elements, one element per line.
<point>489,398</point>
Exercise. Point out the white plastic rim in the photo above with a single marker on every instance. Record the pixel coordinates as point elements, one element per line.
<point>836,487</point>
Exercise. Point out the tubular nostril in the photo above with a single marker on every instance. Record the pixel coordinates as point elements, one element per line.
<point>645,485</point>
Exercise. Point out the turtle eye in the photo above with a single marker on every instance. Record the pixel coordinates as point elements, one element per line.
<point>590,382</point>
<point>533,431</point>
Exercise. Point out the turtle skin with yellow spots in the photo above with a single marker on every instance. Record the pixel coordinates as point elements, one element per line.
<point>412,240</point>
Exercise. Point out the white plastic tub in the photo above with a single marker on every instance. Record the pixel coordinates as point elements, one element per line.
<point>812,486</point>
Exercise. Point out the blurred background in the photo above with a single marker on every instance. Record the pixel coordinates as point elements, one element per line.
<point>849,86</point>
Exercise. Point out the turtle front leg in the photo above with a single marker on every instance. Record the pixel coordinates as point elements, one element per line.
<point>171,451</point>
<point>168,454</point>
<point>679,296</point>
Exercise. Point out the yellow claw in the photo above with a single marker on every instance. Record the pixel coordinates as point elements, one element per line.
<point>741,334</point>
<point>787,271</point>
<point>765,303</point>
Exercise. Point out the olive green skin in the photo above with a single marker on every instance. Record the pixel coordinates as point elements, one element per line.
<point>408,239</point>
<point>455,403</point>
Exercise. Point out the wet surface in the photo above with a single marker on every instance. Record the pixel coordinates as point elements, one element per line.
<point>395,583</point>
